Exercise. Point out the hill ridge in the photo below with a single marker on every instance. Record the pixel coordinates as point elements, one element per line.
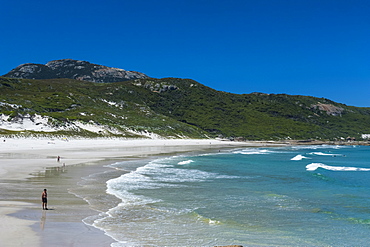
<point>73,69</point>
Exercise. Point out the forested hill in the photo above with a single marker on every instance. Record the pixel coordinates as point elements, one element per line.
<point>170,107</point>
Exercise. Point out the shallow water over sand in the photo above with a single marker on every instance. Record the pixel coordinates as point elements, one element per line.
<point>247,196</point>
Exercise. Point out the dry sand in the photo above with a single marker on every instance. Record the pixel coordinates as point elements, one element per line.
<point>29,165</point>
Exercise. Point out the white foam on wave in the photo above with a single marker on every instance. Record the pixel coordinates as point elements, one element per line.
<point>325,154</point>
<point>160,173</point>
<point>303,147</point>
<point>314,166</point>
<point>185,162</point>
<point>299,157</point>
<point>116,188</point>
<point>340,147</point>
<point>253,151</point>
<point>308,147</point>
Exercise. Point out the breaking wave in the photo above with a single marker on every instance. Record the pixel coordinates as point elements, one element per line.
<point>325,154</point>
<point>314,166</point>
<point>185,162</point>
<point>299,157</point>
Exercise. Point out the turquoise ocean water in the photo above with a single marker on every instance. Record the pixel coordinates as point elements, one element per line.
<point>286,196</point>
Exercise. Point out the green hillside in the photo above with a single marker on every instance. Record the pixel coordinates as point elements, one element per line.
<point>172,107</point>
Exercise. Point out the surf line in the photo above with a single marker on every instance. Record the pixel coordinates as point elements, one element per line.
<point>314,166</point>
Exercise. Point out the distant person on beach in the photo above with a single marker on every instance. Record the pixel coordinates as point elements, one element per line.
<point>44,198</point>
<point>58,159</point>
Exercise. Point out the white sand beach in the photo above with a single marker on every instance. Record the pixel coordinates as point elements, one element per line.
<point>24,162</point>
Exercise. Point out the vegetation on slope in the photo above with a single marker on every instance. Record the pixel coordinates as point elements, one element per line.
<point>180,107</point>
<point>258,116</point>
<point>117,106</point>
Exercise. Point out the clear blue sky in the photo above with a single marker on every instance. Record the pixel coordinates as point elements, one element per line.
<point>318,48</point>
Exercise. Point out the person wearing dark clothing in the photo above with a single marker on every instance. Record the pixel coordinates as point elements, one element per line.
<point>44,198</point>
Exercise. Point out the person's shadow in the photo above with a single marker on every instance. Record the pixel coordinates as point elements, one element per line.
<point>43,220</point>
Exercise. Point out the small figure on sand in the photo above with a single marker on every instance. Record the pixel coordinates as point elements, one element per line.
<point>58,159</point>
<point>44,198</point>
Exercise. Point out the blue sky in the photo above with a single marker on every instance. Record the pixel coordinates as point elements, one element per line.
<point>318,48</point>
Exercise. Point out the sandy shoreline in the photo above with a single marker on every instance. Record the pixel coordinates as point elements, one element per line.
<point>29,165</point>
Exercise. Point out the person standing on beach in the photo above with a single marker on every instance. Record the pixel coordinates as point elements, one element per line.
<point>44,198</point>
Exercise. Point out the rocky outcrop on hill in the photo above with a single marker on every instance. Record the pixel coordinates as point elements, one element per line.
<point>329,109</point>
<point>73,69</point>
<point>156,86</point>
